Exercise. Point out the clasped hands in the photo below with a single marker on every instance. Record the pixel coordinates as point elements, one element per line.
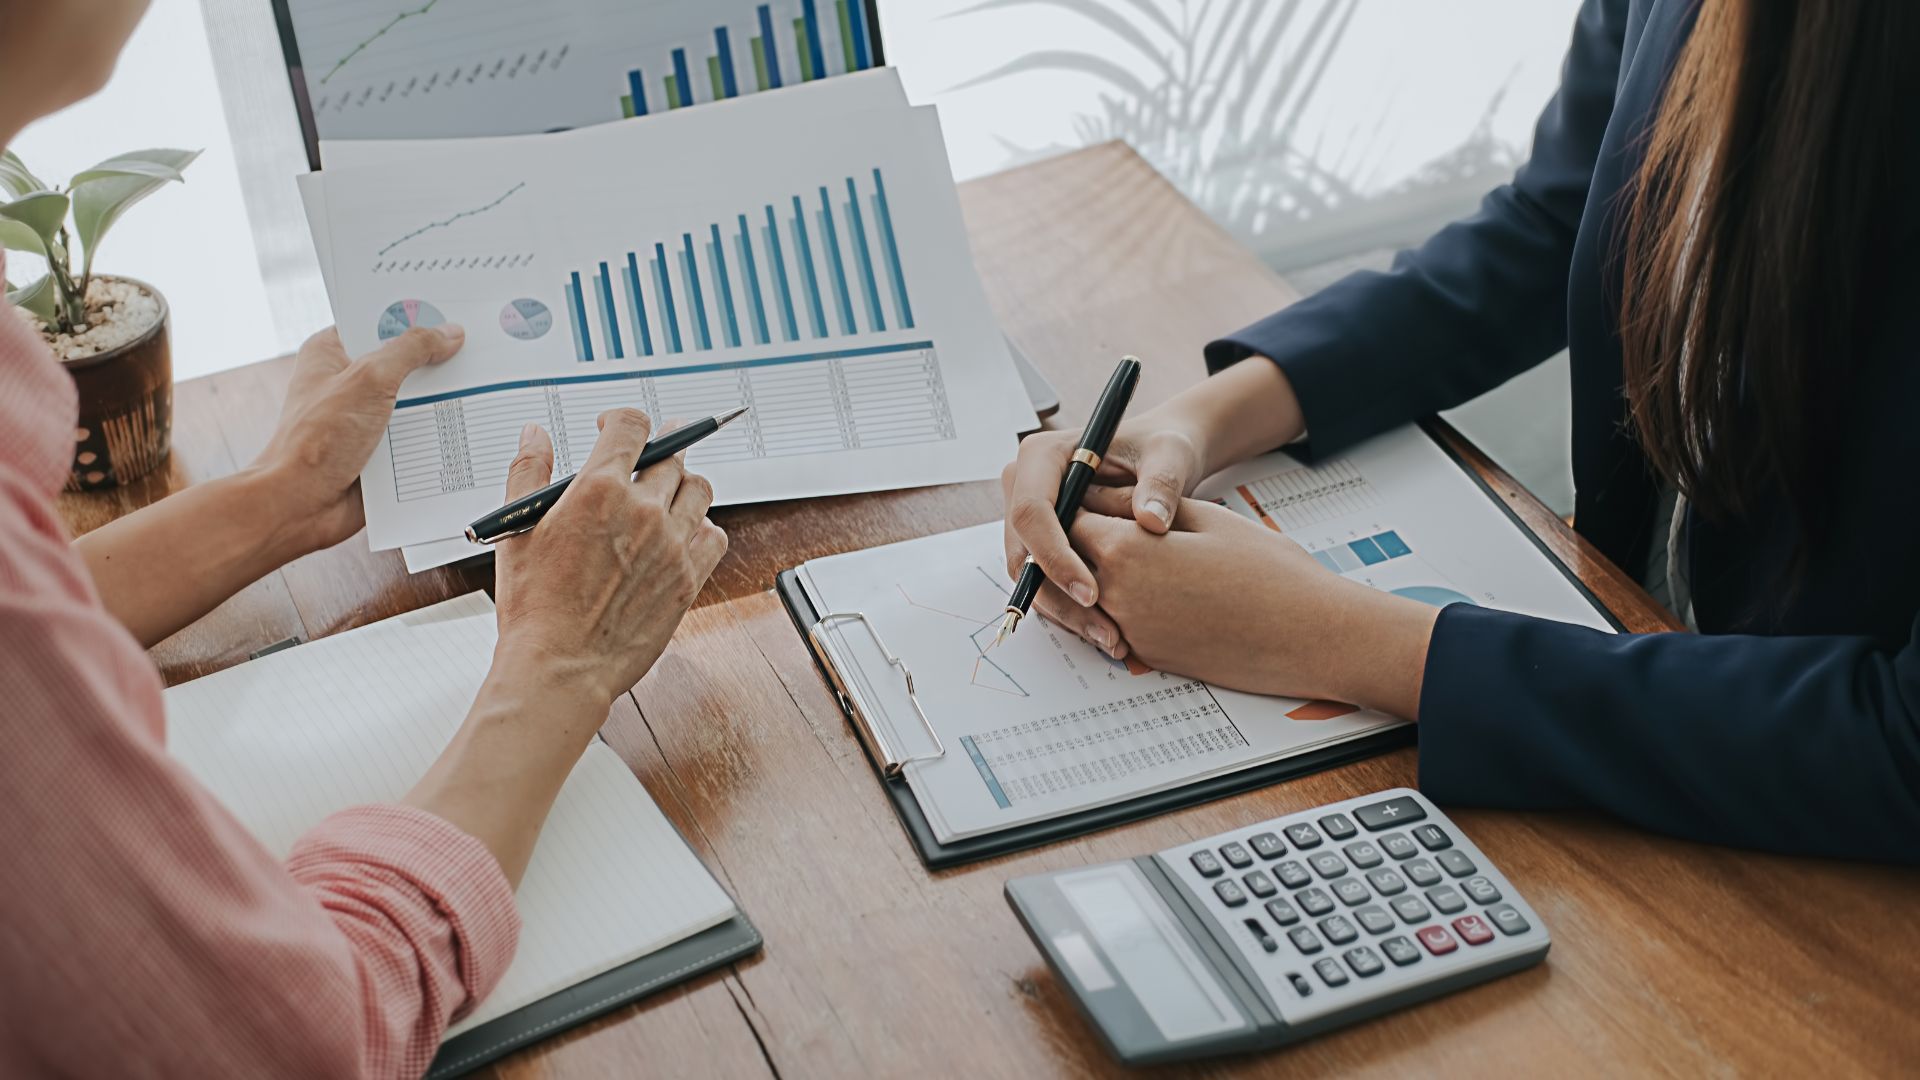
<point>1192,588</point>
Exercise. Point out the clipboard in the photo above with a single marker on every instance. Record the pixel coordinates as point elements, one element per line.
<point>888,763</point>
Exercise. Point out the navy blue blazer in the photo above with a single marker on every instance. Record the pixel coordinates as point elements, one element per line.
<point>1801,737</point>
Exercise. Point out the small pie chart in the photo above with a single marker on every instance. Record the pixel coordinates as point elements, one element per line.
<point>527,320</point>
<point>404,315</point>
<point>1433,594</point>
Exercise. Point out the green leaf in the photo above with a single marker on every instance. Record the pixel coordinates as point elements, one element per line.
<point>98,203</point>
<point>16,178</point>
<point>19,236</point>
<point>128,165</point>
<point>44,212</point>
<point>38,298</point>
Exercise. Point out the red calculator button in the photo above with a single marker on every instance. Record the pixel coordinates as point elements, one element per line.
<point>1473,929</point>
<point>1436,939</point>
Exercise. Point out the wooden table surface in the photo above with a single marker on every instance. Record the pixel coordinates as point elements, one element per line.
<point>1668,957</point>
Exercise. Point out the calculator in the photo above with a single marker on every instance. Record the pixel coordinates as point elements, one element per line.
<point>1279,931</point>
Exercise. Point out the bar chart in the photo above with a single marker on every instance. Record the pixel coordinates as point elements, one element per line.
<point>1298,498</point>
<point>765,53</point>
<point>769,275</point>
<point>429,68</point>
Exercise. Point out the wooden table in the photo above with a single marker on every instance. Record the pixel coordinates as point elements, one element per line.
<point>1667,957</point>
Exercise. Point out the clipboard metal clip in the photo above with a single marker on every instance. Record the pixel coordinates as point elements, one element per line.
<point>878,744</point>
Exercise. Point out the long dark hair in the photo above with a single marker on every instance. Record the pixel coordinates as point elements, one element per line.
<point>1754,242</point>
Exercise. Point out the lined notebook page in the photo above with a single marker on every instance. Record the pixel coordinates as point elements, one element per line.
<point>356,718</point>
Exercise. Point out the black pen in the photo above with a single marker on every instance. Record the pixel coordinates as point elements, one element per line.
<point>1073,486</point>
<point>525,512</point>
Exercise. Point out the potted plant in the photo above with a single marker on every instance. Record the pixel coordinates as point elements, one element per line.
<point>109,332</point>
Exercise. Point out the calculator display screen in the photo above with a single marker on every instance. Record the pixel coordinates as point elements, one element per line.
<point>1144,945</point>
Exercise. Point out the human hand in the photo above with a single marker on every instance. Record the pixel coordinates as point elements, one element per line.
<point>590,596</point>
<point>335,412</point>
<point>1226,600</point>
<point>1155,458</point>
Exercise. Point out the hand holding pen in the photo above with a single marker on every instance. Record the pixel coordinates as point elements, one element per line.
<point>1079,475</point>
<point>525,512</point>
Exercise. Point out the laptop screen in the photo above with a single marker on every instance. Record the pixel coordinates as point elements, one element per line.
<point>395,69</point>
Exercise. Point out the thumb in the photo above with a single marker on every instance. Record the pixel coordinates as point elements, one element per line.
<point>532,467</point>
<point>411,351</point>
<point>1161,478</point>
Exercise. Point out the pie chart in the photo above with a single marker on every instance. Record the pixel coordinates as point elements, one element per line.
<point>527,320</point>
<point>404,315</point>
<point>1433,594</point>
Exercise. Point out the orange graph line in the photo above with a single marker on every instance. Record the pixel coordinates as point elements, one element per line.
<point>1322,710</point>
<point>1247,494</point>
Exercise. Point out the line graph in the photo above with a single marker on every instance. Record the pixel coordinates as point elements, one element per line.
<point>976,629</point>
<point>462,215</point>
<point>377,35</point>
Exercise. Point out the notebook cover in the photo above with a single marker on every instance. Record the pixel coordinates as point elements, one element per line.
<point>937,855</point>
<point>675,964</point>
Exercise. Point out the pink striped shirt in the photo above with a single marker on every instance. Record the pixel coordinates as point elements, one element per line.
<point>142,930</point>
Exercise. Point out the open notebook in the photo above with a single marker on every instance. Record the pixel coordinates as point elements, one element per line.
<point>358,717</point>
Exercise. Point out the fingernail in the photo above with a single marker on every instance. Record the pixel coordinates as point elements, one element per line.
<point>527,433</point>
<point>454,333</point>
<point>1082,593</point>
<point>1101,637</point>
<point>1159,509</point>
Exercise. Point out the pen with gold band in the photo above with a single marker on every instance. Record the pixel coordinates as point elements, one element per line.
<point>1107,413</point>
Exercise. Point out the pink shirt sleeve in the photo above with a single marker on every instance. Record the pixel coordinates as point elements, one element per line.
<point>142,929</point>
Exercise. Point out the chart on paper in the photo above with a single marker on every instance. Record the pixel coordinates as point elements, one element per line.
<point>799,405</point>
<point>1042,723</point>
<point>439,68</point>
<point>661,267</point>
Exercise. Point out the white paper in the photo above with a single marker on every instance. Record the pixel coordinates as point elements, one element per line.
<point>490,233</point>
<point>358,717</point>
<point>423,557</point>
<point>1046,725</point>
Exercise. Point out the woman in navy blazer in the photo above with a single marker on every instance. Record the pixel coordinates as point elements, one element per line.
<point>1714,221</point>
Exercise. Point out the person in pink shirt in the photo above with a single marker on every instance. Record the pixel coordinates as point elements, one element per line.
<point>143,932</point>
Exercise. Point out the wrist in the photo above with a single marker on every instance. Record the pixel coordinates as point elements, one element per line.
<point>525,694</point>
<point>1376,653</point>
<point>283,526</point>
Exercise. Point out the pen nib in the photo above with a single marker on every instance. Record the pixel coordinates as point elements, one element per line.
<point>1006,627</point>
<point>728,418</point>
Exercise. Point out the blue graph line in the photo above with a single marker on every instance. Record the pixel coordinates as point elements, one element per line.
<point>814,308</point>
<point>892,249</point>
<point>863,257</point>
<point>831,238</point>
<point>664,283</point>
<point>771,234</point>
<point>772,50</point>
<point>717,255</point>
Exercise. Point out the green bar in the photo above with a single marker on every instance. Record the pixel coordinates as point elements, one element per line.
<point>806,55</point>
<point>673,92</point>
<point>626,105</point>
<point>760,61</point>
<point>846,35</point>
<point>719,84</point>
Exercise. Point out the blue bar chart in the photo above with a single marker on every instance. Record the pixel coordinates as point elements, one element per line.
<point>761,54</point>
<point>761,276</point>
<point>1366,551</point>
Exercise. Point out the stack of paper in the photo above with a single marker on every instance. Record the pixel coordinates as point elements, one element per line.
<point>801,253</point>
<point>357,718</point>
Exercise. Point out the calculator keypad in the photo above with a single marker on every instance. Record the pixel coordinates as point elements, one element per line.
<point>1357,894</point>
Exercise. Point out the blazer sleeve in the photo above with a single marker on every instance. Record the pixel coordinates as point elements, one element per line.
<point>1802,745</point>
<point>1482,301</point>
